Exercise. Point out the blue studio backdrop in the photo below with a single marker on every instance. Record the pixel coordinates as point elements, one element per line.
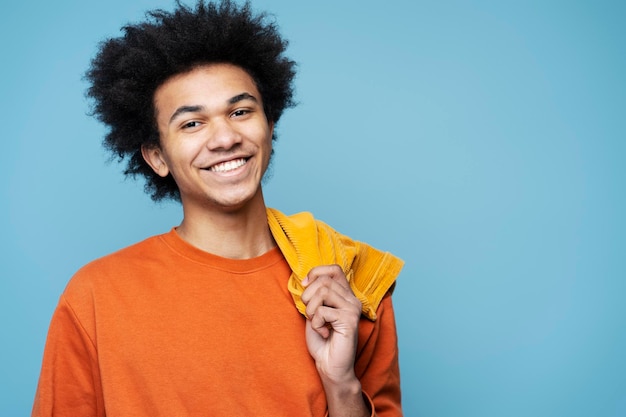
<point>482,142</point>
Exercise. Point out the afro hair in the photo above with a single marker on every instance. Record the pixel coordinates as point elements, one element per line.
<point>128,69</point>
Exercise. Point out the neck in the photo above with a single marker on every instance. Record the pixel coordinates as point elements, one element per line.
<point>237,234</point>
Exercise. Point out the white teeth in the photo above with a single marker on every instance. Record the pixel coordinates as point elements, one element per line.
<point>228,165</point>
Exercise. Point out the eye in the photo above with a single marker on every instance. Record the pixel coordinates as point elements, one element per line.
<point>240,112</point>
<point>190,125</point>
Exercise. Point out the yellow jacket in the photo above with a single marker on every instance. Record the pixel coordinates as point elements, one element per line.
<point>307,243</point>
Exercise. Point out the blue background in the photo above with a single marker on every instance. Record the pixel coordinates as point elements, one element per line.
<point>482,142</point>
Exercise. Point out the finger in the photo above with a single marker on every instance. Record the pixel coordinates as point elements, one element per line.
<point>333,271</point>
<point>327,318</point>
<point>327,288</point>
<point>327,297</point>
<point>320,327</point>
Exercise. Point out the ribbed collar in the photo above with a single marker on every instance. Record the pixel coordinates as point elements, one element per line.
<point>241,266</point>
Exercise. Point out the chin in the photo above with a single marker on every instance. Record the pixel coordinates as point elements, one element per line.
<point>239,202</point>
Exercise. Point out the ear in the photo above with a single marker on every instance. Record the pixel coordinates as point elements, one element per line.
<point>153,156</point>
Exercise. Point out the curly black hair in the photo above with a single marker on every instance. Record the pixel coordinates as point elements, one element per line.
<point>128,69</point>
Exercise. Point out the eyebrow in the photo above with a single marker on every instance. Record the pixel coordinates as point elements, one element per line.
<point>241,97</point>
<point>195,109</point>
<point>185,109</point>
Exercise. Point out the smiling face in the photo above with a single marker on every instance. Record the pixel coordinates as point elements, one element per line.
<point>215,139</point>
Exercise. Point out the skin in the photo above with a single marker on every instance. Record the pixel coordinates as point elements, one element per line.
<point>216,142</point>
<point>333,314</point>
<point>206,117</point>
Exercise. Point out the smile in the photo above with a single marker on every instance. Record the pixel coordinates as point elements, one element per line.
<point>228,165</point>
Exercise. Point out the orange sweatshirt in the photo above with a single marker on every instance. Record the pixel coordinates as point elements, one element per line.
<point>162,328</point>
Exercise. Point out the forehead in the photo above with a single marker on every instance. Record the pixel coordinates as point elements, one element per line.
<point>207,85</point>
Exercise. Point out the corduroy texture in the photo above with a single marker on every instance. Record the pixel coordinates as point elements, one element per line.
<point>307,243</point>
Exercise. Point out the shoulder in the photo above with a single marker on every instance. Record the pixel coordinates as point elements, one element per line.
<point>100,271</point>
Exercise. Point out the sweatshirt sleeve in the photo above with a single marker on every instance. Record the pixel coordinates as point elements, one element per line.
<point>377,364</point>
<point>69,383</point>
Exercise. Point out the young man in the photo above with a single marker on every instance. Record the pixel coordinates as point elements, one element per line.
<point>239,310</point>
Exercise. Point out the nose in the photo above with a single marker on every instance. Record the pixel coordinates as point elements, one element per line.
<point>223,135</point>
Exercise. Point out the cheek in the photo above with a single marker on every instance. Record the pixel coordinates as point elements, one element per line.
<point>267,141</point>
<point>269,150</point>
<point>261,137</point>
<point>184,153</point>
